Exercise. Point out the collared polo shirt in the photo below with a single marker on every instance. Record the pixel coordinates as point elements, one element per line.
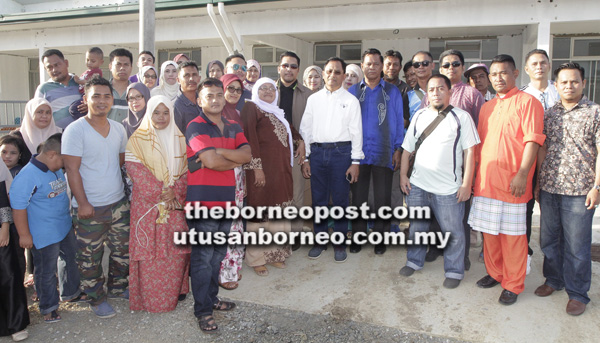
<point>120,107</point>
<point>59,96</point>
<point>184,111</point>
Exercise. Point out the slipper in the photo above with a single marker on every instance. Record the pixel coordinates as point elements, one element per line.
<point>279,265</point>
<point>240,277</point>
<point>81,298</point>
<point>261,271</point>
<point>54,317</point>
<point>29,281</point>
<point>229,285</point>
<point>224,306</point>
<point>207,324</point>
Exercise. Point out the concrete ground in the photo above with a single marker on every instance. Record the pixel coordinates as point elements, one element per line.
<point>368,288</point>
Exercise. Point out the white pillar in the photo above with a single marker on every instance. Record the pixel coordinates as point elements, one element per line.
<point>147,25</point>
<point>43,74</point>
<point>543,37</point>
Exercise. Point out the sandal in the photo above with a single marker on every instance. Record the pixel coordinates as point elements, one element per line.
<point>29,281</point>
<point>81,298</point>
<point>207,324</point>
<point>229,285</point>
<point>224,306</point>
<point>34,297</point>
<point>54,317</point>
<point>240,277</point>
<point>279,265</point>
<point>261,271</point>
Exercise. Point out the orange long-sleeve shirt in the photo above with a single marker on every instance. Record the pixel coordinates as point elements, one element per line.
<point>505,126</point>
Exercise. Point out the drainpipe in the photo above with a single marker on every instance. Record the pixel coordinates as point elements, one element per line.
<point>229,28</point>
<point>211,13</point>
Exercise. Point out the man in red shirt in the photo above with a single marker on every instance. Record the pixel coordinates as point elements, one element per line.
<point>510,128</point>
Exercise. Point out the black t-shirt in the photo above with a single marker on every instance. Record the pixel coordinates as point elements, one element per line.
<point>286,100</point>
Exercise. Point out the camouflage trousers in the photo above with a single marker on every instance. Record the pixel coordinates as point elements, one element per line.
<point>110,226</point>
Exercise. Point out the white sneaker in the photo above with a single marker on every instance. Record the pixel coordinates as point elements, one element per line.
<point>528,265</point>
<point>20,336</point>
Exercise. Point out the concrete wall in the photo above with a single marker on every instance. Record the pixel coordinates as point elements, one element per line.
<point>14,78</point>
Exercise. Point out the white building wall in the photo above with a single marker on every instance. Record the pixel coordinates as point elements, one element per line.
<point>14,78</point>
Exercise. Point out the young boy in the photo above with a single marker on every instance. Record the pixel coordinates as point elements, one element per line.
<point>94,58</point>
<point>38,196</point>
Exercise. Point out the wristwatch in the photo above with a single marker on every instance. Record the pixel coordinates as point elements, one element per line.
<point>597,187</point>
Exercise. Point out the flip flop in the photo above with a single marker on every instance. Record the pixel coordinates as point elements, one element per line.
<point>54,317</point>
<point>261,271</point>
<point>279,265</point>
<point>229,285</point>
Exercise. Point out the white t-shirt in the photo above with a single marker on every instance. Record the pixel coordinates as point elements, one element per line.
<point>100,169</point>
<point>439,161</point>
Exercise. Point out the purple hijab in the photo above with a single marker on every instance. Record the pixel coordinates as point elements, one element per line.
<point>134,119</point>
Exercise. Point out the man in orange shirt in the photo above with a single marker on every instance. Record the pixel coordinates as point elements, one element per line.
<point>510,128</point>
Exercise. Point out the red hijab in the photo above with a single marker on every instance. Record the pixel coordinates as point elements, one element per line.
<point>229,111</point>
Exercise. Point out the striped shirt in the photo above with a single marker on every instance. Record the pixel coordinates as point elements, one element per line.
<point>211,187</point>
<point>59,96</point>
<point>120,108</point>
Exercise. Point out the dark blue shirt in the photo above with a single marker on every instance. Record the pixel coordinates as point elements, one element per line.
<point>184,111</point>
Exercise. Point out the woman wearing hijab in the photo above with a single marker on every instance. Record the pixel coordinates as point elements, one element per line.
<point>353,75</point>
<point>149,76</point>
<point>313,78</point>
<point>155,161</point>
<point>252,75</point>
<point>38,123</point>
<point>167,85</point>
<point>215,69</point>
<point>269,174</point>
<point>138,96</point>
<point>233,91</point>
<point>14,316</point>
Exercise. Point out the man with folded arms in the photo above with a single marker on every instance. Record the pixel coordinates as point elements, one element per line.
<point>332,129</point>
<point>568,188</point>
<point>437,178</point>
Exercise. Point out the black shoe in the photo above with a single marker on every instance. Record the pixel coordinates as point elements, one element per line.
<point>467,263</point>
<point>433,254</point>
<point>181,297</point>
<point>296,246</point>
<point>380,249</point>
<point>406,271</point>
<point>355,248</point>
<point>487,282</point>
<point>507,297</point>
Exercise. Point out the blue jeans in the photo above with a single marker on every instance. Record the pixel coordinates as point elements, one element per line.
<point>205,265</point>
<point>449,214</point>
<point>566,241</point>
<point>328,166</point>
<point>47,263</point>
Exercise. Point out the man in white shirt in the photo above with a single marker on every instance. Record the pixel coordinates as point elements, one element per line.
<point>332,130</point>
<point>437,177</point>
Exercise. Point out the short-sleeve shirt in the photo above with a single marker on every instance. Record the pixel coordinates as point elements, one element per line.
<point>100,168</point>
<point>210,187</point>
<point>548,97</point>
<point>439,160</point>
<point>43,193</point>
<point>120,107</point>
<point>506,125</point>
<point>60,97</point>
<point>571,139</point>
<point>184,111</point>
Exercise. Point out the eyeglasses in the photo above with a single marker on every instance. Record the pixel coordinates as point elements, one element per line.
<point>237,66</point>
<point>331,71</point>
<point>135,98</point>
<point>418,65</point>
<point>232,89</point>
<point>149,76</point>
<point>267,89</point>
<point>454,64</point>
<point>289,66</point>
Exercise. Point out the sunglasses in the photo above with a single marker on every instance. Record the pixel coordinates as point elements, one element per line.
<point>418,65</point>
<point>289,66</point>
<point>454,64</point>
<point>237,66</point>
<point>232,89</point>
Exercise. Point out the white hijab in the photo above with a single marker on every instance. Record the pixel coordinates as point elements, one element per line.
<point>273,109</point>
<point>32,135</point>
<point>163,88</point>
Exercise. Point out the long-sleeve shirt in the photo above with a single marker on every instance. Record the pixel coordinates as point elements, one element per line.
<point>332,117</point>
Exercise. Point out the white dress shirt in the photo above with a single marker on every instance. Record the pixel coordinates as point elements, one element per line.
<point>332,117</point>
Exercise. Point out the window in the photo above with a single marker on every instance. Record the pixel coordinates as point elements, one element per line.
<point>34,76</point>
<point>168,55</point>
<point>349,52</point>
<point>586,52</point>
<point>268,57</point>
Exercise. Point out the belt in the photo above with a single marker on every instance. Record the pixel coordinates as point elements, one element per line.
<point>330,145</point>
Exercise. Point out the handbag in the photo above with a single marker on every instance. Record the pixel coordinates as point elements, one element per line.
<point>428,130</point>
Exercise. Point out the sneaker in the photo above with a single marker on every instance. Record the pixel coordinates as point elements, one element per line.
<point>528,265</point>
<point>406,271</point>
<point>451,283</point>
<point>340,255</point>
<point>315,252</point>
<point>124,295</point>
<point>20,336</point>
<point>103,310</point>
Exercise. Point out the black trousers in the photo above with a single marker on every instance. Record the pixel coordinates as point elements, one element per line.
<point>382,191</point>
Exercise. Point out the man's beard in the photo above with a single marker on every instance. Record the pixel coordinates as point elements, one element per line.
<point>439,107</point>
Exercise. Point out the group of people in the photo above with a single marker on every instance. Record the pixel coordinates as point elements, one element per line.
<point>137,149</point>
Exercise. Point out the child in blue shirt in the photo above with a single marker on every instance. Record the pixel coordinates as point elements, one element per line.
<point>38,196</point>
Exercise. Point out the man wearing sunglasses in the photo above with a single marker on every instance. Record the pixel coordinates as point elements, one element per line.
<point>292,99</point>
<point>236,64</point>
<point>423,67</point>
<point>469,99</point>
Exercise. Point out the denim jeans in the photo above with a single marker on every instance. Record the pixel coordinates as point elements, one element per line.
<point>328,166</point>
<point>205,265</point>
<point>566,241</point>
<point>47,263</point>
<point>449,214</point>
